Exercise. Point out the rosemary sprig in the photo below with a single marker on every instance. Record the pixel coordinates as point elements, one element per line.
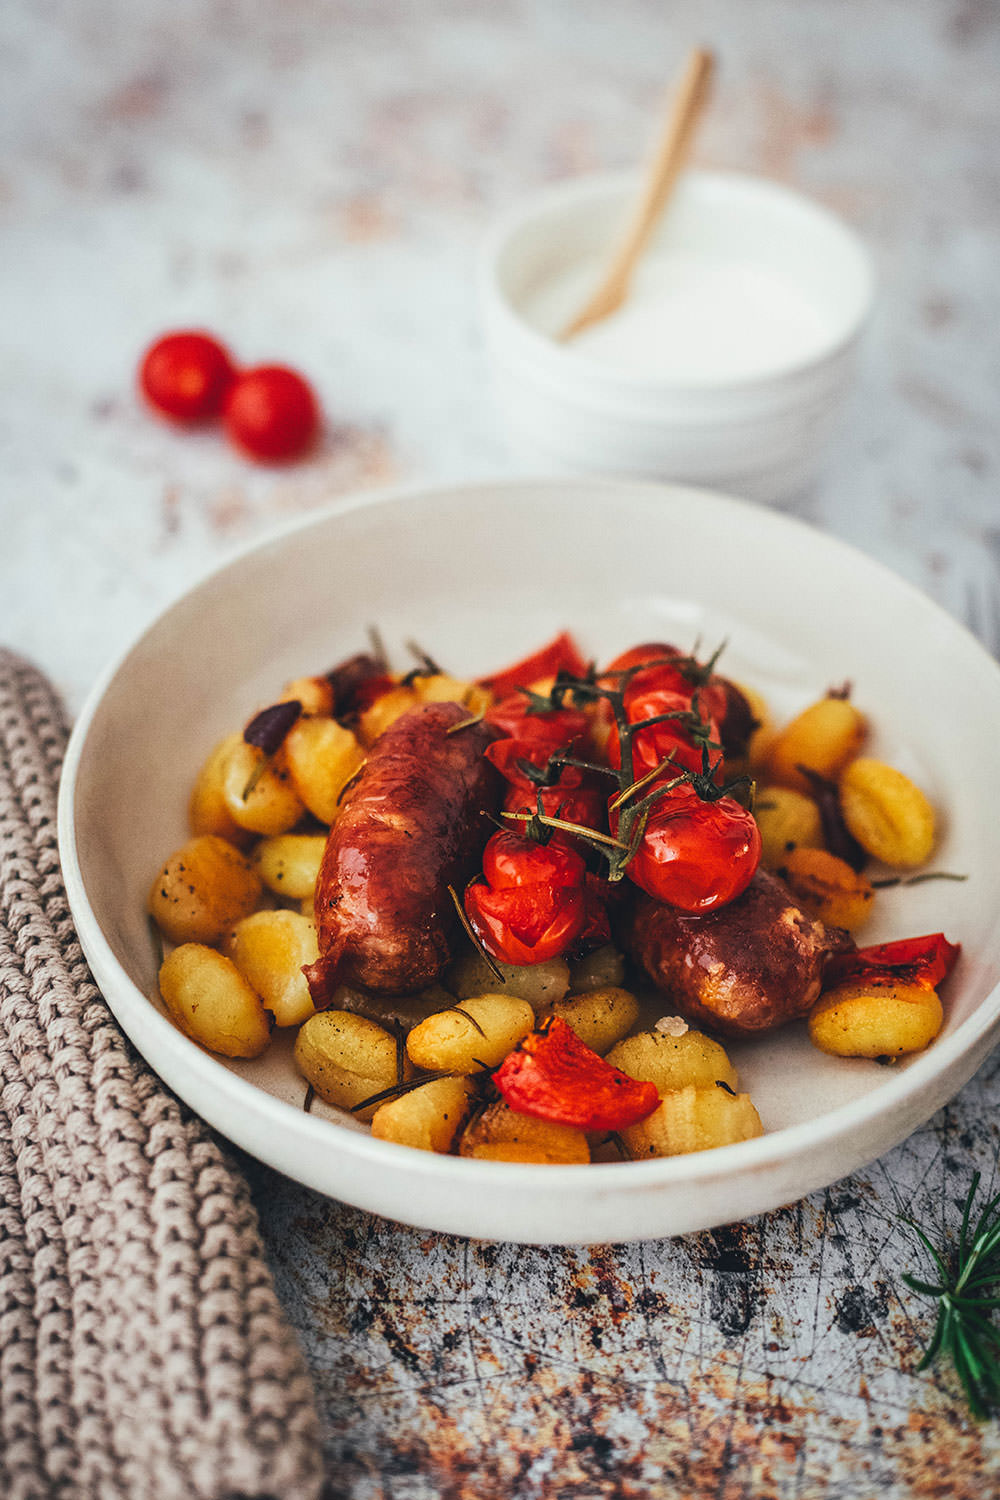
<point>967,1290</point>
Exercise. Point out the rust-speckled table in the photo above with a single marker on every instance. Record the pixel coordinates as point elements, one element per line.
<point>312,179</point>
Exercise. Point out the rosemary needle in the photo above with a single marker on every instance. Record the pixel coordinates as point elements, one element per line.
<point>966,1291</point>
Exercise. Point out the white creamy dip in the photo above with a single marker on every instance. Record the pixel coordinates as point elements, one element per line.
<point>690,316</point>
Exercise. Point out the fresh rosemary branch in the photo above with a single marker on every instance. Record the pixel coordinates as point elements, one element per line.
<point>967,1290</point>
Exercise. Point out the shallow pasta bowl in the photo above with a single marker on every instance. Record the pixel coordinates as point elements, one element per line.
<point>479,575</point>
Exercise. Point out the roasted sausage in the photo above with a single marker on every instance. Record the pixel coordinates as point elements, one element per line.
<point>742,969</point>
<point>412,824</point>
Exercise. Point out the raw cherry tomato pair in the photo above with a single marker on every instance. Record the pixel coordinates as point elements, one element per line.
<point>269,412</point>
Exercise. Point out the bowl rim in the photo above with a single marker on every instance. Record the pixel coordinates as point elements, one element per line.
<point>135,1011</point>
<point>563,363</point>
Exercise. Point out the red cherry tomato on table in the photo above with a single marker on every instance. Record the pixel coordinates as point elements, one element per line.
<point>695,854</point>
<point>185,376</point>
<point>530,906</point>
<point>272,414</point>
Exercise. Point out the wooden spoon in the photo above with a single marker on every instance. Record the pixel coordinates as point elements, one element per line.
<point>665,167</point>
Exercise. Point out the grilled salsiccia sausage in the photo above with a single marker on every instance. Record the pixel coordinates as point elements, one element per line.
<point>744,968</point>
<point>410,826</point>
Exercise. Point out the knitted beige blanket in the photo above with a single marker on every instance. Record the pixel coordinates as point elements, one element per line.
<point>143,1352</point>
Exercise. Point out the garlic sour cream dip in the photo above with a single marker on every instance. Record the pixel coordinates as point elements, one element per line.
<point>689,316</point>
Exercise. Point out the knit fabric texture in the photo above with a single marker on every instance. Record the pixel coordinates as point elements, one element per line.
<point>143,1351</point>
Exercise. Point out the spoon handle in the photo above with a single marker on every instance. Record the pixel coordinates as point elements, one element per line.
<point>664,169</point>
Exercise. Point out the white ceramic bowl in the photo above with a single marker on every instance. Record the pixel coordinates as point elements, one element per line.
<point>479,575</point>
<point>762,435</point>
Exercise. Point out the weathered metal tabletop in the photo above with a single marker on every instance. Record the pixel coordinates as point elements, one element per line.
<point>312,179</point>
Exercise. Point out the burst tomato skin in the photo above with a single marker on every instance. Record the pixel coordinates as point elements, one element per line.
<point>574,798</point>
<point>557,728</point>
<point>271,414</point>
<point>185,376</point>
<point>530,906</point>
<point>673,737</point>
<point>511,861</point>
<point>695,854</point>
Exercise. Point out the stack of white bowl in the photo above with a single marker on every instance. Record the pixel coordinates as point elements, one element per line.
<point>762,433</point>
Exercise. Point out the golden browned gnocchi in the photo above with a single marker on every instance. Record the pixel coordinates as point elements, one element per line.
<point>823,738</point>
<point>827,887</point>
<point>258,792</point>
<point>672,1061</point>
<point>349,1059</point>
<point>887,813</point>
<point>474,1034</point>
<point>428,1117</point>
<point>210,1000</point>
<point>693,1119</point>
<point>501,1134</point>
<point>269,948</point>
<point>208,811</point>
<point>204,887</point>
<point>289,863</point>
<point>859,1020</point>
<point>599,1017</point>
<point>322,757</point>
<point>787,820</point>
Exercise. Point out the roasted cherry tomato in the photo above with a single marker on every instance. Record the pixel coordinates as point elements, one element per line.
<point>185,376</point>
<point>575,798</point>
<point>718,697</point>
<point>553,1075</point>
<point>596,930</point>
<point>635,656</point>
<point>695,854</point>
<point>530,906</point>
<point>271,414</point>
<point>558,727</point>
<point>561,654</point>
<point>681,734</point>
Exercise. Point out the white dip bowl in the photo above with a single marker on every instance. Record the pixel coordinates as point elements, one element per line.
<point>731,360</point>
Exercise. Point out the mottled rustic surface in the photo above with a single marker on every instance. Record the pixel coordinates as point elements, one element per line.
<point>312,180</point>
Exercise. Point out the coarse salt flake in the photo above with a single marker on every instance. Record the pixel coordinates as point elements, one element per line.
<point>671,1025</point>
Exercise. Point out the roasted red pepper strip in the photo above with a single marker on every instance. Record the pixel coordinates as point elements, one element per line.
<point>554,1076</point>
<point>562,653</point>
<point>920,960</point>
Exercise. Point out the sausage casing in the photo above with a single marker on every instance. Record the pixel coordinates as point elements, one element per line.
<point>742,969</point>
<point>412,824</point>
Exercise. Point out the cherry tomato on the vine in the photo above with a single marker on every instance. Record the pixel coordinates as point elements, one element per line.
<point>530,906</point>
<point>272,414</point>
<point>718,697</point>
<point>557,728</point>
<point>186,375</point>
<point>695,854</point>
<point>575,798</point>
<point>680,737</point>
